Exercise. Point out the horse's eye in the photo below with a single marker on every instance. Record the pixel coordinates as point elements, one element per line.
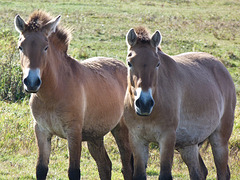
<point>129,64</point>
<point>46,48</point>
<point>130,54</point>
<point>158,64</point>
<point>20,48</point>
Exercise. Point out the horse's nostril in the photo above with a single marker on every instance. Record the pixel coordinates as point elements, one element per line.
<point>138,103</point>
<point>152,102</point>
<point>25,81</point>
<point>38,82</point>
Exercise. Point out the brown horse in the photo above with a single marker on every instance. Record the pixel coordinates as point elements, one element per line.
<point>178,102</point>
<point>75,101</point>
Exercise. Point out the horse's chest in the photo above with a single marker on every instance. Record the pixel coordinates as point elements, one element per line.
<point>50,121</point>
<point>146,131</point>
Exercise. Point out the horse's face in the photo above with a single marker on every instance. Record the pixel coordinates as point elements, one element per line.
<point>33,47</point>
<point>33,50</point>
<point>143,63</point>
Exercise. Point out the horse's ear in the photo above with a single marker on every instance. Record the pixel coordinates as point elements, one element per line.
<point>131,37</point>
<point>156,39</point>
<point>19,24</point>
<point>51,26</point>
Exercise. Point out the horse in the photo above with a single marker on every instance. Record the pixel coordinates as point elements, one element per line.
<point>178,102</point>
<point>77,101</point>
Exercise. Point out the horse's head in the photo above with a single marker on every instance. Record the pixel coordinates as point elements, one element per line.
<point>33,46</point>
<point>143,62</point>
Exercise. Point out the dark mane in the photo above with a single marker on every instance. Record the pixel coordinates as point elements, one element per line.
<point>61,38</point>
<point>142,34</point>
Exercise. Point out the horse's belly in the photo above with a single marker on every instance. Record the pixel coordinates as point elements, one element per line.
<point>190,132</point>
<point>101,118</point>
<point>186,137</point>
<point>91,134</point>
<point>97,127</point>
<point>95,124</point>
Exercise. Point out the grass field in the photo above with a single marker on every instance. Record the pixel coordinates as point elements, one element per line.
<point>98,29</point>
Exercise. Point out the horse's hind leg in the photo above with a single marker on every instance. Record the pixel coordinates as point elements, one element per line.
<point>219,143</point>
<point>99,154</point>
<point>120,133</point>
<point>194,162</point>
<point>220,153</point>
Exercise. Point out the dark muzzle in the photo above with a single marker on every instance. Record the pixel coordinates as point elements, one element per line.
<point>32,86</point>
<point>144,103</point>
<point>32,80</point>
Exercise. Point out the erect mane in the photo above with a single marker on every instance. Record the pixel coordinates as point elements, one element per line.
<point>61,38</point>
<point>143,35</point>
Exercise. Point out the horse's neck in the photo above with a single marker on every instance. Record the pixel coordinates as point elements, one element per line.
<point>168,65</point>
<point>168,73</point>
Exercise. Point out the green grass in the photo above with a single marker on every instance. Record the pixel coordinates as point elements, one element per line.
<point>98,29</point>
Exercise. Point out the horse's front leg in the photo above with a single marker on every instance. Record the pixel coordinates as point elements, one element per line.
<point>44,150</point>
<point>74,138</point>
<point>167,145</point>
<point>140,157</point>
